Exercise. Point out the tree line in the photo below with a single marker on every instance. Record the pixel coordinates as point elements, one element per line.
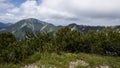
<point>104,42</point>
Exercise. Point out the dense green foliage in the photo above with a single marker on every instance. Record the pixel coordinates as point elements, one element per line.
<point>105,42</point>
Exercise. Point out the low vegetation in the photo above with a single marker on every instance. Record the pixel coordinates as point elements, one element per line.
<point>64,60</point>
<point>60,49</point>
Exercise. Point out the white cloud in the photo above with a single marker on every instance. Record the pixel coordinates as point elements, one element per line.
<point>14,10</point>
<point>92,12</point>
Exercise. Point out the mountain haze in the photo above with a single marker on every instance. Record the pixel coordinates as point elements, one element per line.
<point>4,25</point>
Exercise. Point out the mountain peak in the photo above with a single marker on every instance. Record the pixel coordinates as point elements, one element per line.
<point>29,19</point>
<point>72,25</point>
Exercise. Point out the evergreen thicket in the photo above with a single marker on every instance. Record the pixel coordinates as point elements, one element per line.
<point>104,42</point>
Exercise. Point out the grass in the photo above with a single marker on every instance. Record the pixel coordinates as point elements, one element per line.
<point>10,65</point>
<point>96,60</point>
<point>62,61</point>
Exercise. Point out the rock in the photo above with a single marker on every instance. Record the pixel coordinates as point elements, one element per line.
<point>76,63</point>
<point>30,66</point>
<point>103,66</point>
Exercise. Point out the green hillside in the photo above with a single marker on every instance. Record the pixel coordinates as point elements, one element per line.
<point>43,45</point>
<point>67,48</point>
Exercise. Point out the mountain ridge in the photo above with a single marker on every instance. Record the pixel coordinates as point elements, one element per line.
<point>30,24</point>
<point>35,26</point>
<point>4,24</point>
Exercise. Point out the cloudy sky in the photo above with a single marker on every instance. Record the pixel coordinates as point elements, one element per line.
<point>62,12</point>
